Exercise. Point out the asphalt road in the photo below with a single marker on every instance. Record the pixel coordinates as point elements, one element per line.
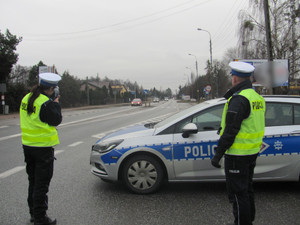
<point>77,197</point>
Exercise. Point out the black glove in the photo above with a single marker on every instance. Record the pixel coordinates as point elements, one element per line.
<point>215,161</point>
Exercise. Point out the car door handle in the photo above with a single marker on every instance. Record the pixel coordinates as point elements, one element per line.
<point>168,148</point>
<point>295,132</point>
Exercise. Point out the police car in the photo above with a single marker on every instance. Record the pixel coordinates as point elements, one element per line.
<point>180,148</point>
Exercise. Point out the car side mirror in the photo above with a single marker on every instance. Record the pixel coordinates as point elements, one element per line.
<point>189,129</point>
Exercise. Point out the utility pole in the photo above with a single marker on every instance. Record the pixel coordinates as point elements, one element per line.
<point>87,91</point>
<point>293,18</point>
<point>269,44</point>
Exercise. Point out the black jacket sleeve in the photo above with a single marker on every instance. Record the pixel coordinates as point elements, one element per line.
<point>238,110</point>
<point>51,113</point>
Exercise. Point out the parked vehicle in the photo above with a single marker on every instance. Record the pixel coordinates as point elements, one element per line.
<point>180,147</point>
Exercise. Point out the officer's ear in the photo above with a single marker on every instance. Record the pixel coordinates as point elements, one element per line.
<point>233,79</point>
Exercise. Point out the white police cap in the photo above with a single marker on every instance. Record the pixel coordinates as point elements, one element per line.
<point>241,69</point>
<point>49,79</point>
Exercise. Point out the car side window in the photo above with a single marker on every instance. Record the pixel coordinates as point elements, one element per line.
<point>209,119</point>
<point>176,128</point>
<point>297,114</point>
<point>181,124</point>
<point>279,114</point>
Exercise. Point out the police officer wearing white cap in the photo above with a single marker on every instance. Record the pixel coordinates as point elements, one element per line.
<point>39,115</point>
<point>242,130</point>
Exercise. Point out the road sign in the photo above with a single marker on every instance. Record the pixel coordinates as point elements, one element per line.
<point>208,88</point>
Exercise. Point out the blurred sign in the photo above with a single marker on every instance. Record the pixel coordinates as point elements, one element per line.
<point>2,87</point>
<point>186,97</point>
<point>46,69</point>
<point>262,74</point>
<point>146,91</point>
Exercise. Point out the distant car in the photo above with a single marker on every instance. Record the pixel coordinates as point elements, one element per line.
<point>166,99</point>
<point>180,147</point>
<point>156,100</point>
<point>136,102</point>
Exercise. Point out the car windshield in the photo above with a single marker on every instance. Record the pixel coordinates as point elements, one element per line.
<point>181,114</point>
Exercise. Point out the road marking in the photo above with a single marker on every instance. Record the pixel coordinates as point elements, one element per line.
<point>77,121</point>
<point>11,171</point>
<point>99,136</point>
<point>3,127</point>
<point>10,136</point>
<point>63,124</point>
<point>20,168</point>
<point>56,152</point>
<point>91,118</point>
<point>75,144</point>
<point>155,119</point>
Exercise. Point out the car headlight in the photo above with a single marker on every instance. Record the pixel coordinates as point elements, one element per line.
<point>106,146</point>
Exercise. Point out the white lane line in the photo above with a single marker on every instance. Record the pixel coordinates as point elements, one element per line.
<point>77,121</point>
<point>91,118</point>
<point>155,119</point>
<point>3,127</point>
<point>64,124</point>
<point>11,171</point>
<point>10,136</point>
<point>20,168</point>
<point>75,144</point>
<point>99,136</point>
<point>56,152</point>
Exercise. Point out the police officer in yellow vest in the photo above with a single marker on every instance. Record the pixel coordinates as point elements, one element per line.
<point>39,114</point>
<point>242,130</point>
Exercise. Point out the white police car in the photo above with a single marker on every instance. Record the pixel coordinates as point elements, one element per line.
<point>180,147</point>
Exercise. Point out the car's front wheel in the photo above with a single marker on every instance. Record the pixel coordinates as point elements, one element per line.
<point>142,174</point>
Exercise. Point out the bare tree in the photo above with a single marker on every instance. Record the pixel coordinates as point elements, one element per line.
<point>19,74</point>
<point>284,16</point>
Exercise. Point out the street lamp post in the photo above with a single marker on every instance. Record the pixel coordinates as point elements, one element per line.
<point>188,80</point>
<point>192,76</point>
<point>211,62</point>
<point>210,45</point>
<point>197,74</point>
<point>192,80</point>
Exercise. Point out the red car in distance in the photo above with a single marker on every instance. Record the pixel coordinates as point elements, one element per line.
<point>136,102</point>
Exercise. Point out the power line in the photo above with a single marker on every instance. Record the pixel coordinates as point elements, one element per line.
<point>224,21</point>
<point>131,20</point>
<point>229,20</point>
<point>225,39</point>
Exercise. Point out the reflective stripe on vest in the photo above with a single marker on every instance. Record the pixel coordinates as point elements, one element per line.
<point>248,141</point>
<point>35,132</point>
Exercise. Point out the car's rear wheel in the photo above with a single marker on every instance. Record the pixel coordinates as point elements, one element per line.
<point>142,174</point>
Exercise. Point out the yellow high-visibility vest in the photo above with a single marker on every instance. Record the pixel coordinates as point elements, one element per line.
<point>35,132</point>
<point>248,141</point>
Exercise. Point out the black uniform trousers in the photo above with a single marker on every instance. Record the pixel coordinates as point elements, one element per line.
<point>239,175</point>
<point>39,167</point>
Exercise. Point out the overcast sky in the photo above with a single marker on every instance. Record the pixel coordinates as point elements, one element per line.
<point>137,40</point>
